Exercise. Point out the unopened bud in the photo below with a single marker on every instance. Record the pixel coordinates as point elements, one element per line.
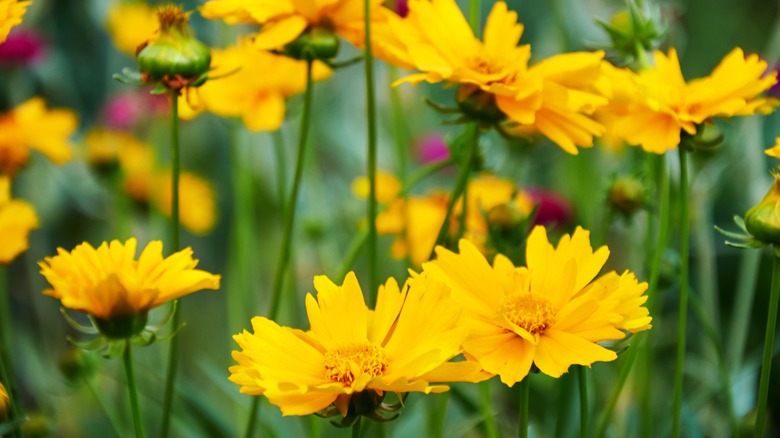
<point>763,220</point>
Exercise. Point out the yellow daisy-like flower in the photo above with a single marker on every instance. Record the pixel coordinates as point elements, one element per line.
<point>197,204</point>
<point>32,126</point>
<point>11,13</point>
<point>550,314</point>
<point>387,187</point>
<point>774,151</point>
<point>131,24</point>
<point>4,402</point>
<point>667,105</point>
<point>283,21</point>
<point>17,219</point>
<point>352,355</point>
<point>554,97</point>
<point>108,282</point>
<point>254,88</point>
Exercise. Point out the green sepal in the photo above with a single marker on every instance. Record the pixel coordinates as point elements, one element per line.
<point>89,330</point>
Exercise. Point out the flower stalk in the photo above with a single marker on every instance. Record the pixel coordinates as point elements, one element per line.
<point>582,379</point>
<point>769,342</point>
<point>683,302</point>
<point>525,394</point>
<point>368,61</point>
<point>138,424</point>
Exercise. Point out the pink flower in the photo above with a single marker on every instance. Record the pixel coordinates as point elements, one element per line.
<point>552,208</point>
<point>431,148</point>
<point>23,47</point>
<point>402,7</point>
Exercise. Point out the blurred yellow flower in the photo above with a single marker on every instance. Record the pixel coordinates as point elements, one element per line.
<point>554,97</point>
<point>31,126</point>
<point>17,219</point>
<point>197,205</point>
<point>11,13</point>
<point>387,186</point>
<point>108,282</point>
<point>254,88</point>
<point>668,105</point>
<point>415,221</point>
<point>352,355</point>
<point>131,24</point>
<point>4,402</point>
<point>774,151</point>
<point>283,21</point>
<point>550,314</point>
<point>104,145</point>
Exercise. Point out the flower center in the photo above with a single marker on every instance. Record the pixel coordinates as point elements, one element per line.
<point>345,363</point>
<point>529,311</point>
<point>497,70</point>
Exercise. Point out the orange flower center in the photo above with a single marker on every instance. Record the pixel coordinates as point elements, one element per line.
<point>529,311</point>
<point>495,70</point>
<point>345,363</point>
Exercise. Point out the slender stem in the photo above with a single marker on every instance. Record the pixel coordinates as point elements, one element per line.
<point>132,392</point>
<point>582,378</point>
<point>368,62</point>
<point>525,390</point>
<point>474,16</point>
<point>289,221</point>
<point>460,187</point>
<point>356,432</point>
<point>280,154</point>
<point>683,307</point>
<point>6,366</point>
<point>625,370</point>
<point>173,348</point>
<point>769,342</point>
<point>488,415</point>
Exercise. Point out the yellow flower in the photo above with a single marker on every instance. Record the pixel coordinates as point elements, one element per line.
<point>387,187</point>
<point>197,206</point>
<point>104,145</point>
<point>108,282</point>
<point>775,150</point>
<point>550,314</point>
<point>11,13</point>
<point>415,221</point>
<point>32,126</point>
<point>254,88</point>
<point>283,21</point>
<point>668,105</point>
<point>4,402</point>
<point>131,25</point>
<point>351,354</point>
<point>17,218</point>
<point>554,97</point>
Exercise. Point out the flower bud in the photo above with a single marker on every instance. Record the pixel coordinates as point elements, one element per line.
<point>176,57</point>
<point>626,195</point>
<point>478,105</point>
<point>317,42</point>
<point>121,327</point>
<point>77,365</point>
<point>763,220</point>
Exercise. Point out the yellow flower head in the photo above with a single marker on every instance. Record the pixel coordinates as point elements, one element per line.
<point>11,13</point>
<point>254,87</point>
<point>131,25</point>
<point>197,204</point>
<point>4,402</point>
<point>667,105</point>
<point>550,314</point>
<point>32,126</point>
<point>108,282</point>
<point>283,21</point>
<point>352,354</point>
<point>774,151</point>
<point>17,219</point>
<point>554,97</point>
<point>387,187</point>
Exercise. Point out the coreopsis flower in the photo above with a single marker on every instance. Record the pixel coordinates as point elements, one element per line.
<point>32,126</point>
<point>11,13</point>
<point>254,86</point>
<point>555,97</point>
<point>197,204</point>
<point>352,356</point>
<point>116,289</point>
<point>103,145</point>
<point>293,24</point>
<point>17,219</point>
<point>551,313</point>
<point>131,25</point>
<point>667,105</point>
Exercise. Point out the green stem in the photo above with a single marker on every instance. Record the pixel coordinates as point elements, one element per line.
<point>254,414</point>
<point>132,392</point>
<point>368,62</point>
<point>173,348</point>
<point>474,16</point>
<point>280,154</point>
<point>488,415</point>
<point>460,187</point>
<point>625,370</point>
<point>525,390</point>
<point>683,306</point>
<point>769,342</point>
<point>356,427</point>
<point>360,239</point>
<point>582,379</point>
<point>6,367</point>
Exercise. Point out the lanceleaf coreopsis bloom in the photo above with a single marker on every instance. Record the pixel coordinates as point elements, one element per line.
<point>253,86</point>
<point>131,25</point>
<point>555,97</point>
<point>109,284</point>
<point>17,219</point>
<point>551,313</point>
<point>664,105</point>
<point>11,13</point>
<point>352,356</point>
<point>32,126</point>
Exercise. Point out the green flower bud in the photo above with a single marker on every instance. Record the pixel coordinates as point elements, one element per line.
<point>317,42</point>
<point>626,195</point>
<point>763,220</point>
<point>176,57</point>
<point>121,327</point>
<point>77,365</point>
